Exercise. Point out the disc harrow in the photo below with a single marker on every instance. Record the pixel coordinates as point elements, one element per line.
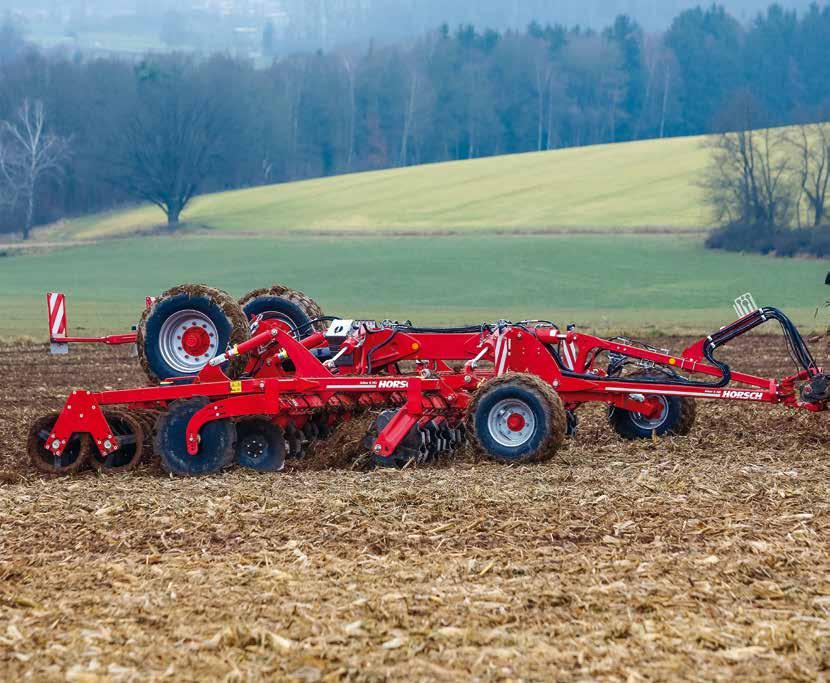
<point>265,379</point>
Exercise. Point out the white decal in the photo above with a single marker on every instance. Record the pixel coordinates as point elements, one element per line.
<point>393,384</point>
<point>743,395</point>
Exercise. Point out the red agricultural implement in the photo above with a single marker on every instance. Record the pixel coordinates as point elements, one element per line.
<point>255,381</point>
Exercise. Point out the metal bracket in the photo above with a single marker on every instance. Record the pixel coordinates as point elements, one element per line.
<point>745,304</point>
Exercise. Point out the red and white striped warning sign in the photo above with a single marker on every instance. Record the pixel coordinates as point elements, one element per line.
<point>57,314</point>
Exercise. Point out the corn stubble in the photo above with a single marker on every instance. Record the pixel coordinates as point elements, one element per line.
<point>706,557</point>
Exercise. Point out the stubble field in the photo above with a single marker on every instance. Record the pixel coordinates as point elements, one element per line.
<point>706,557</point>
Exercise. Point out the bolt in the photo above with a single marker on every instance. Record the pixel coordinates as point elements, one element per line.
<point>467,378</point>
<point>378,448</point>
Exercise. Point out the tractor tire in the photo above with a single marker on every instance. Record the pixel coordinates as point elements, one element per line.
<point>216,445</point>
<point>260,445</point>
<point>517,418</point>
<point>305,303</point>
<point>677,418</point>
<point>212,313</point>
<point>74,456</point>
<point>294,318</point>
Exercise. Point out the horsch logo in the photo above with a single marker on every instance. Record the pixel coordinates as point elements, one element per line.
<point>393,384</point>
<point>743,395</point>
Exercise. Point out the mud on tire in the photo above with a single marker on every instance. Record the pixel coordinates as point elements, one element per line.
<point>220,313</point>
<point>540,426</point>
<point>216,446</point>
<point>304,303</point>
<point>72,460</point>
<point>677,419</point>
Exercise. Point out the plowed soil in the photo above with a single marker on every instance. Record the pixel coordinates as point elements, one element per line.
<point>705,557</point>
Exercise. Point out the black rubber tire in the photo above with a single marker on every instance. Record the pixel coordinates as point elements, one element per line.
<point>285,309</point>
<point>74,456</point>
<point>551,421</point>
<point>678,420</point>
<point>305,303</point>
<point>260,445</point>
<point>129,430</point>
<point>216,445</point>
<point>223,311</point>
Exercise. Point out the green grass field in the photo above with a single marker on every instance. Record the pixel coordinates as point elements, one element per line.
<point>623,186</point>
<point>343,241</point>
<point>628,282</point>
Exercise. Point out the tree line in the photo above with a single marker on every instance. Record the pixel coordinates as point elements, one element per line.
<point>166,127</point>
<point>769,188</point>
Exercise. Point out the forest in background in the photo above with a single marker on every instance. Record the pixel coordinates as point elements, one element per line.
<point>174,125</point>
<point>128,26</point>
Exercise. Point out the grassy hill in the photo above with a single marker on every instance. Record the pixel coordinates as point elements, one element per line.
<point>319,236</point>
<point>623,186</point>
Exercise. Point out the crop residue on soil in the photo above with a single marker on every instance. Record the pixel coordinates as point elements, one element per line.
<point>703,557</point>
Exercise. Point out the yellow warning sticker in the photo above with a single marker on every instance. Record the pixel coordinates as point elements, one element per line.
<point>236,387</point>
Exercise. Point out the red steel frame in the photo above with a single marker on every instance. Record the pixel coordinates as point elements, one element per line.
<point>450,366</point>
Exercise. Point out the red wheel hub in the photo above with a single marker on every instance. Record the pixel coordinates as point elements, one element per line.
<point>195,341</point>
<point>275,324</point>
<point>515,423</point>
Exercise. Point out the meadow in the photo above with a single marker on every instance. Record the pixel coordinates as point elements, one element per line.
<point>622,187</point>
<point>644,283</point>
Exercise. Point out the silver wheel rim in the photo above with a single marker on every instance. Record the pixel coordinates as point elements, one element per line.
<point>651,424</point>
<point>170,341</point>
<point>500,430</point>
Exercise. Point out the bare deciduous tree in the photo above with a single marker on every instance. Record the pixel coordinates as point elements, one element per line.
<point>811,144</point>
<point>748,179</point>
<point>171,141</point>
<point>28,155</point>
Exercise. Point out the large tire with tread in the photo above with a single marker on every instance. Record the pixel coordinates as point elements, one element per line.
<point>216,445</point>
<point>283,310</point>
<point>517,418</point>
<point>303,303</point>
<point>194,306</point>
<point>676,419</point>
